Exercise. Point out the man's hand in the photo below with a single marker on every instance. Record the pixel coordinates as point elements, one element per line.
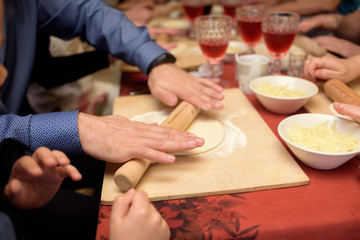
<point>117,139</point>
<point>168,83</point>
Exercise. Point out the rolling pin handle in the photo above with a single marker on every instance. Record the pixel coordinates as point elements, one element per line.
<point>129,174</point>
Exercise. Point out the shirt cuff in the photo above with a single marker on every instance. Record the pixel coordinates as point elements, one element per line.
<point>147,53</point>
<point>56,131</point>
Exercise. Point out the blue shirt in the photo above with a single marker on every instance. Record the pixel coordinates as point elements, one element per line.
<point>103,27</point>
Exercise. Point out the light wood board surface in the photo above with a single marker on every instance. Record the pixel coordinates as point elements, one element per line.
<point>250,158</point>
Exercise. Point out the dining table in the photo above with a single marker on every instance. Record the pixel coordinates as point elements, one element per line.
<point>326,208</point>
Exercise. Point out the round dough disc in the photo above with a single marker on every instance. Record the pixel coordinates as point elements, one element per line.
<point>208,128</point>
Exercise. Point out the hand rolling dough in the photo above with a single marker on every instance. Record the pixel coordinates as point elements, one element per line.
<point>208,128</point>
<point>203,126</point>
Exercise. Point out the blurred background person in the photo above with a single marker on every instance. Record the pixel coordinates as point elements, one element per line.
<point>344,37</point>
<point>311,7</point>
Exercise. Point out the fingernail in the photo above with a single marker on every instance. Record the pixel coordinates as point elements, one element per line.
<point>199,140</point>
<point>171,158</point>
<point>218,105</point>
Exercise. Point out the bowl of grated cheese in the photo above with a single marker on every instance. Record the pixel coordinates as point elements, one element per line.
<point>283,94</point>
<point>321,141</point>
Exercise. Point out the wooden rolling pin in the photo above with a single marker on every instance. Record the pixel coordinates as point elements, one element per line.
<point>338,91</point>
<point>129,174</point>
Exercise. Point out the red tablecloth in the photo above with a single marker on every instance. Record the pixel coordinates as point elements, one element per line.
<point>327,208</point>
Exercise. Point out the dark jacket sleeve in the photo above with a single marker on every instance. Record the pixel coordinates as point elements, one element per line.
<point>52,72</point>
<point>10,228</point>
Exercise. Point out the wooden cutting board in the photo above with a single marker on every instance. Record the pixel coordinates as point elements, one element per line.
<point>250,158</point>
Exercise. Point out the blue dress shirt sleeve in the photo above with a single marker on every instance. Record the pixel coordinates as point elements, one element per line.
<point>102,26</point>
<point>52,130</point>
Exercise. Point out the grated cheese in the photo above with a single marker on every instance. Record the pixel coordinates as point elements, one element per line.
<point>323,138</point>
<point>280,90</point>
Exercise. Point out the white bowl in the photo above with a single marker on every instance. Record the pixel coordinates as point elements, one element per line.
<point>284,105</point>
<point>317,159</point>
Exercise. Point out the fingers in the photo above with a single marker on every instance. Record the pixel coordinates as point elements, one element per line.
<point>310,67</point>
<point>144,209</point>
<point>168,46</point>
<point>51,162</point>
<point>44,157</point>
<point>69,171</point>
<point>307,25</point>
<point>13,189</point>
<point>140,202</point>
<point>27,165</point>
<point>348,110</point>
<point>200,92</point>
<point>149,153</point>
<point>165,96</point>
<point>325,74</point>
<point>122,203</point>
<point>154,132</point>
<point>169,31</point>
<point>49,159</point>
<point>320,68</point>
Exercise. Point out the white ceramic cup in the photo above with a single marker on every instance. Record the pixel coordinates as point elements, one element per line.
<point>249,67</point>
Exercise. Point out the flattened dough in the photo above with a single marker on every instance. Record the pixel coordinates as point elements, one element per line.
<point>208,128</point>
<point>203,126</point>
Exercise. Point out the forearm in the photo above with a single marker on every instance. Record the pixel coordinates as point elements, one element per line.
<point>308,7</point>
<point>103,27</point>
<point>348,28</point>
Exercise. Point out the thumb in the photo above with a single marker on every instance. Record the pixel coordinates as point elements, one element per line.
<point>12,191</point>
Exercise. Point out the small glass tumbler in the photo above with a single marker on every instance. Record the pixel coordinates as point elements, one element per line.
<point>296,64</point>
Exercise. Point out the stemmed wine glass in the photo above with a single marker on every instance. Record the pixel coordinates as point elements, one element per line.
<point>279,29</point>
<point>213,35</point>
<point>249,18</point>
<point>193,9</point>
<point>229,7</point>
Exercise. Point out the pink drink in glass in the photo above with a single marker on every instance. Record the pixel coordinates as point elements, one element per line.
<point>193,10</point>
<point>229,10</point>
<point>213,50</point>
<point>230,6</point>
<point>278,43</point>
<point>249,21</point>
<point>250,30</point>
<point>279,29</point>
